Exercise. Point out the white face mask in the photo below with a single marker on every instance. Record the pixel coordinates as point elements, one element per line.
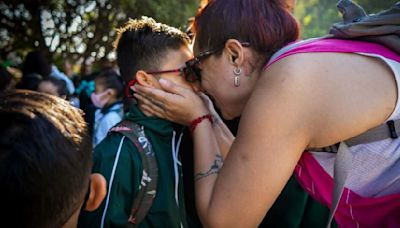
<point>100,99</point>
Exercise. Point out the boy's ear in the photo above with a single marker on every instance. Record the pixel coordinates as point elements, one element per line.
<point>146,79</point>
<point>98,190</point>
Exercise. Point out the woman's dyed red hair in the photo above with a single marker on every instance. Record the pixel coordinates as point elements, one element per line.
<point>266,24</point>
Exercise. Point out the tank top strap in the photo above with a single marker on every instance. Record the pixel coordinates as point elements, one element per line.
<point>325,44</point>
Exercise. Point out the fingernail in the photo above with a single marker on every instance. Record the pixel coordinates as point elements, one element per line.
<point>134,88</point>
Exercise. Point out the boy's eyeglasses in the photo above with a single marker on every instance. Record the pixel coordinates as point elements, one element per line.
<point>188,74</point>
<point>191,64</point>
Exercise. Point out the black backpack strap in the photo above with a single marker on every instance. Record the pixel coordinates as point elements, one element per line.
<point>148,184</point>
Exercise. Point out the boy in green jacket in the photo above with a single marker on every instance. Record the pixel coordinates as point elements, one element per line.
<point>146,52</point>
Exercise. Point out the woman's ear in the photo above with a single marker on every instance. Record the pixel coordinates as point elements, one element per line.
<point>98,190</point>
<point>146,79</point>
<point>235,52</point>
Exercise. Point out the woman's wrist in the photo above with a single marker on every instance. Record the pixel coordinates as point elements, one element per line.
<point>195,122</point>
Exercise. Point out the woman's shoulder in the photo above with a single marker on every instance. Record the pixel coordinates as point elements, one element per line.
<point>334,88</point>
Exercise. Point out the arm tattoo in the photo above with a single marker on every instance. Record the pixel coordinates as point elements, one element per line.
<point>214,169</point>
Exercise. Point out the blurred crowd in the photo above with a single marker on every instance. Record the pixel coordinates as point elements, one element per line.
<point>94,87</point>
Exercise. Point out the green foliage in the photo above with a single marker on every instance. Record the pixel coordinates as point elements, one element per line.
<point>317,16</point>
<point>79,29</point>
<point>85,28</point>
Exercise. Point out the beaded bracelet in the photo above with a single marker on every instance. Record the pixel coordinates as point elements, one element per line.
<point>198,120</point>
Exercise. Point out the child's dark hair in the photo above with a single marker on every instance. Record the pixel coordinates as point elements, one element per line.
<point>110,79</point>
<point>143,43</point>
<point>60,84</point>
<point>45,159</point>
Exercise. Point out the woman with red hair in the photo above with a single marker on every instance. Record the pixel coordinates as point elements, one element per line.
<point>292,96</point>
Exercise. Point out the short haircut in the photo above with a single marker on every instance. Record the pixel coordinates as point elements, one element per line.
<point>142,44</point>
<point>110,79</point>
<point>45,159</point>
<point>266,24</point>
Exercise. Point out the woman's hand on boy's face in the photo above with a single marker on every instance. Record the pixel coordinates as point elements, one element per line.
<point>175,103</point>
<point>149,107</point>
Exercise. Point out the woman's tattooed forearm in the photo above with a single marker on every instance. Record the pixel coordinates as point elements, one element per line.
<point>214,169</point>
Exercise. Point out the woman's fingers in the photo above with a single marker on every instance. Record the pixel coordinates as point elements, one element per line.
<point>173,88</point>
<point>145,111</point>
<point>148,111</point>
<point>176,103</point>
<point>153,107</point>
<point>149,92</point>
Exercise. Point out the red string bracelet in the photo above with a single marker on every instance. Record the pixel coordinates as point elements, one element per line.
<point>198,120</point>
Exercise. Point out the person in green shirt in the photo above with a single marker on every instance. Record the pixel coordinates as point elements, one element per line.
<point>146,51</point>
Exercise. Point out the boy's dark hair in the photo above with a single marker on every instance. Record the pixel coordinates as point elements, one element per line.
<point>142,44</point>
<point>60,84</point>
<point>110,79</point>
<point>45,159</point>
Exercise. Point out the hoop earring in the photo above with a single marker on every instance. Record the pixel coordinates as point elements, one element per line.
<point>237,72</point>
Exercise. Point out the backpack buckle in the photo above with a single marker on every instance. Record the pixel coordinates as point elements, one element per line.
<point>392,129</point>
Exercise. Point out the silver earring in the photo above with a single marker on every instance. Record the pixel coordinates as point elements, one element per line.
<point>237,72</point>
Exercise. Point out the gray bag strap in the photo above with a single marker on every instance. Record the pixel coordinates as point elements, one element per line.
<point>383,131</point>
<point>340,173</point>
<point>343,160</point>
<point>390,129</point>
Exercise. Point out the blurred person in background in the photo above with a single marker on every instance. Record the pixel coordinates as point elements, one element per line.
<point>53,86</point>
<point>107,98</point>
<point>35,68</point>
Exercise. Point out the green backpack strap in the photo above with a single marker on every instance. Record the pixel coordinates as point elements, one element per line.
<point>148,184</point>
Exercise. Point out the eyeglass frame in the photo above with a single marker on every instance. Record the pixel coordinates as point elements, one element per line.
<point>182,70</point>
<point>191,63</point>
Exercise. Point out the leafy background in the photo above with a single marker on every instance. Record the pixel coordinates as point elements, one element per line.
<point>85,29</point>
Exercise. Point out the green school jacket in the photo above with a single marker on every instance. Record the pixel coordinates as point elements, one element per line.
<point>164,211</point>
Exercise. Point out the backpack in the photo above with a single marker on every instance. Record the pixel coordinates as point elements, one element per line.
<point>382,28</point>
<point>343,159</point>
<point>148,184</point>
